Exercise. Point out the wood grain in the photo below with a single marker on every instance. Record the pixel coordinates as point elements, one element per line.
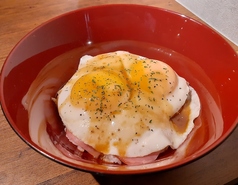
<point>21,165</point>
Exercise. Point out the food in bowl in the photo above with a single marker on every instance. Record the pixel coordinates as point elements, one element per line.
<point>123,108</point>
<point>54,60</point>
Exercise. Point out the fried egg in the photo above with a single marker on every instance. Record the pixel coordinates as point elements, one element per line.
<point>126,105</point>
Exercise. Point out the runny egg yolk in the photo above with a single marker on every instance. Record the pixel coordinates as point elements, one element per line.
<point>138,77</point>
<point>99,90</point>
<point>149,75</point>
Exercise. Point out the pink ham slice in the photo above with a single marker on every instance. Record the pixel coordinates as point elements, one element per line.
<point>110,158</point>
<point>81,145</point>
<point>140,160</point>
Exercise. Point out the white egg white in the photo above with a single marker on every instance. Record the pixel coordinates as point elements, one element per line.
<point>137,126</point>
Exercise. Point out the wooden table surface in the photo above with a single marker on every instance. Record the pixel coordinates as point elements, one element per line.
<point>21,165</point>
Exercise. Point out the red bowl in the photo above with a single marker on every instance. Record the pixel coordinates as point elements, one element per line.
<point>195,51</point>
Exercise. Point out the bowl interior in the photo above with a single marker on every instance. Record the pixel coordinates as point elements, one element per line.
<point>195,52</point>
